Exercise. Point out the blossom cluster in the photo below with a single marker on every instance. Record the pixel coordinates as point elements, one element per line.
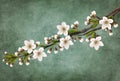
<point>65,37</point>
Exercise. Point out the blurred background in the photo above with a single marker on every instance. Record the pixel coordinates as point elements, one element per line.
<point>35,19</point>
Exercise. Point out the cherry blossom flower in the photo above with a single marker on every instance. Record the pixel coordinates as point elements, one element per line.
<point>63,29</point>
<point>106,23</point>
<point>66,42</point>
<point>115,25</point>
<point>96,42</point>
<point>93,13</point>
<point>29,46</point>
<point>39,54</point>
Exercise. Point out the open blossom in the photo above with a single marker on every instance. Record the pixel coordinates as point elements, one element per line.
<point>96,42</point>
<point>66,42</point>
<point>29,45</point>
<point>106,23</point>
<point>63,29</point>
<point>39,54</point>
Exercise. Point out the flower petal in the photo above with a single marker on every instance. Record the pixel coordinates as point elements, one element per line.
<point>40,58</point>
<point>41,49</point>
<point>101,22</point>
<point>110,21</point>
<point>32,41</point>
<point>101,43</point>
<point>109,26</point>
<point>98,38</point>
<point>44,54</point>
<point>96,47</point>
<point>105,18</point>
<point>91,44</point>
<point>30,50</point>
<point>26,42</point>
<point>71,43</point>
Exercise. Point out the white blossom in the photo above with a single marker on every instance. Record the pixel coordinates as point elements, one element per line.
<point>39,54</point>
<point>93,13</point>
<point>29,46</point>
<point>20,49</point>
<point>38,43</point>
<point>87,40</point>
<point>27,63</point>
<point>115,25</point>
<point>5,52</point>
<point>88,18</point>
<point>55,51</point>
<point>106,23</point>
<point>96,42</point>
<point>66,42</point>
<point>55,36</point>
<point>81,40</point>
<point>63,29</point>
<point>11,65</point>
<point>20,63</point>
<point>49,51</point>
<point>16,53</point>
<point>76,23</point>
<point>110,33</point>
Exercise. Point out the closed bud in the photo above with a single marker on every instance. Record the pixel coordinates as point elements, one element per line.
<point>20,63</point>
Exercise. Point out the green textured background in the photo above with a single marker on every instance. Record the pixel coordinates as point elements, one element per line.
<point>35,19</point>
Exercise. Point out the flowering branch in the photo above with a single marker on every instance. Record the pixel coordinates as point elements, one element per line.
<point>64,38</point>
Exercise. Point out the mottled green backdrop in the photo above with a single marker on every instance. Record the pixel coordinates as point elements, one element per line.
<point>35,19</point>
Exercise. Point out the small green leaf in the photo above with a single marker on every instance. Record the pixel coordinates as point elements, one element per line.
<point>72,31</point>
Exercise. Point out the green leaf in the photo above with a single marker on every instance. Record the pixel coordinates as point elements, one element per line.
<point>92,33</point>
<point>72,31</point>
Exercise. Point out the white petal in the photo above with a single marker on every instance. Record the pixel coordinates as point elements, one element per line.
<point>59,32</point>
<point>66,33</point>
<point>63,23</point>
<point>91,44</point>
<point>98,38</point>
<point>33,46</point>
<point>71,43</point>
<point>41,49</point>
<point>104,27</point>
<point>44,54</point>
<point>34,56</point>
<point>96,47</point>
<point>101,22</point>
<point>61,44</point>
<point>110,21</point>
<point>61,39</point>
<point>109,26</point>
<point>66,46</point>
<point>76,22</point>
<point>67,27</point>
<point>32,41</point>
<point>105,18</point>
<point>26,42</point>
<point>40,58</point>
<point>101,43</point>
<point>24,47</point>
<point>38,43</point>
<point>68,37</point>
<point>29,51</point>
<point>92,39</point>
<point>58,27</point>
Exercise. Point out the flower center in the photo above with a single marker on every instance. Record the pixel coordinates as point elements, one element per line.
<point>63,29</point>
<point>29,46</point>
<point>39,53</point>
<point>95,42</point>
<point>65,41</point>
<point>106,22</point>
